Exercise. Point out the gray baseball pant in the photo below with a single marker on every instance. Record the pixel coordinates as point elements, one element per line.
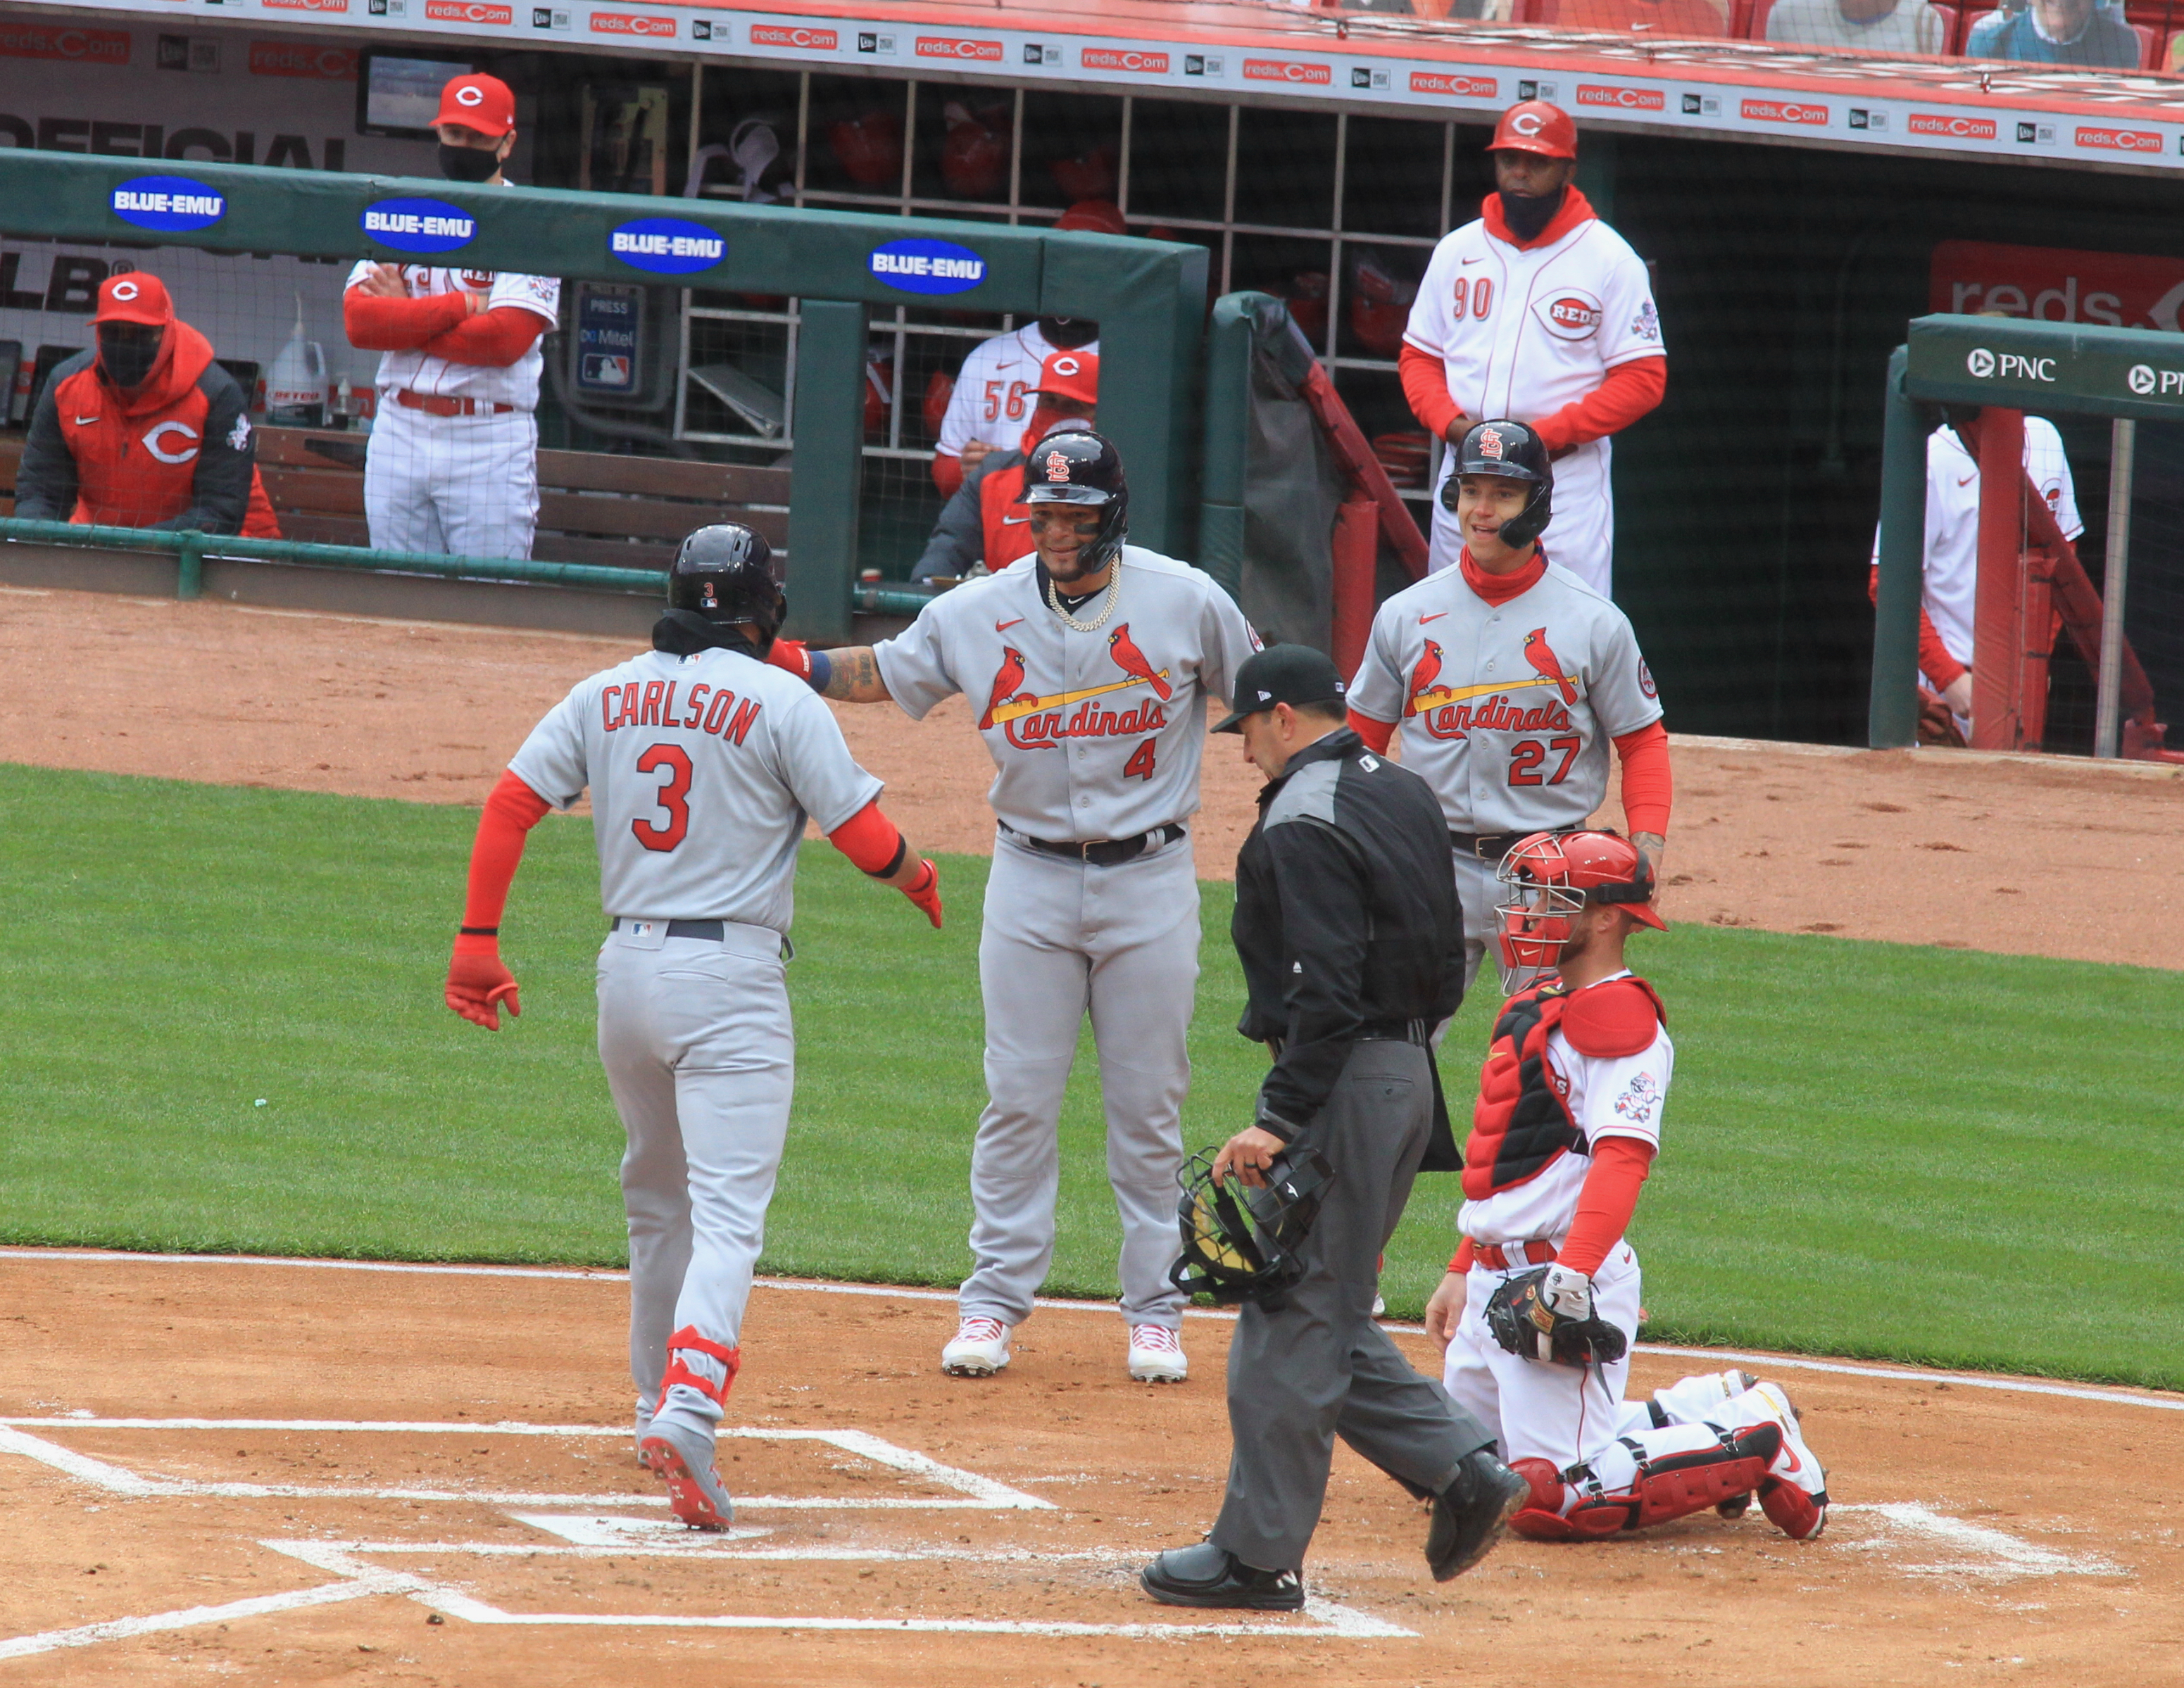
<point>1317,1367</point>
<point>1062,937</point>
<point>701,1059</point>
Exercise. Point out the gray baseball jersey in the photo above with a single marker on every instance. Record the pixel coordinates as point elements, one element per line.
<point>1095,735</point>
<point>1507,710</point>
<point>703,770</point>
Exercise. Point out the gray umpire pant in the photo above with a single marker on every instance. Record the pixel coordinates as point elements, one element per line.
<point>1318,1367</point>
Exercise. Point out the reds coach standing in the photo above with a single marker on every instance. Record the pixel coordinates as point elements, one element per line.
<point>1541,312</point>
<point>453,464</point>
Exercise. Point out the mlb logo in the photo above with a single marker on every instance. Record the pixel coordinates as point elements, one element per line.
<point>606,368</point>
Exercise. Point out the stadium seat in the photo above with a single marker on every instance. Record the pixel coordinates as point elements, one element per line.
<point>2170,51</point>
<point>1704,19</point>
<point>2149,43</point>
<point>1755,24</point>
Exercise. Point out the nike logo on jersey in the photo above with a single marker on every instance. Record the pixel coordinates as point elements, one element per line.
<point>1003,627</point>
<point>1969,479</point>
<point>1014,520</point>
<point>85,421</point>
<point>1436,616</point>
<point>1471,260</point>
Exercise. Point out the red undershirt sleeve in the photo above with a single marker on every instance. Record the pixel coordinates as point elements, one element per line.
<point>947,473</point>
<point>1649,785</point>
<point>384,324</point>
<point>512,810</point>
<point>869,840</point>
<point>1375,733</point>
<point>494,338</point>
<point>1935,662</point>
<point>1425,384</point>
<point>1606,1203</point>
<point>1629,391</point>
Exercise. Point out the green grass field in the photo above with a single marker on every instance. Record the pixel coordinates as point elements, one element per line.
<point>223,1031</point>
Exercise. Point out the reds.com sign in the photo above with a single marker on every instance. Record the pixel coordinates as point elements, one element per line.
<point>953,47</point>
<point>774,35</point>
<point>1119,58</point>
<point>43,41</point>
<point>1783,111</point>
<point>2054,284</point>
<point>300,58</point>
<point>1463,87</point>
<point>1955,128</point>
<point>1623,99</point>
<point>1287,70</point>
<point>632,22</point>
<point>2120,140</point>
<point>468,12</point>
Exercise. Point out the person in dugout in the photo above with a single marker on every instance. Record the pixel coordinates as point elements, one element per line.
<point>987,520</point>
<point>145,430</point>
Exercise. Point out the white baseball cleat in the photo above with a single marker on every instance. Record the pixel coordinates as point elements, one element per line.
<point>1379,1306</point>
<point>1157,1355</point>
<point>1794,1493</point>
<point>980,1349</point>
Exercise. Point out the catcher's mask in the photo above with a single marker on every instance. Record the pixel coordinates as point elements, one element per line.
<point>1241,1244</point>
<point>1547,879</point>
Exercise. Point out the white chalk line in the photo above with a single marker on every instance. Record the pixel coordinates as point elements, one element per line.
<point>2003,1555</point>
<point>2166,1403</point>
<point>197,1617</point>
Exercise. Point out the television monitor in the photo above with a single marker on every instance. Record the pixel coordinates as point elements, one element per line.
<point>398,94</point>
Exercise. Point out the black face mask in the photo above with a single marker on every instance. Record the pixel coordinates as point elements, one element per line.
<point>1526,214</point>
<point>128,351</point>
<point>468,164</point>
<point>1068,332</point>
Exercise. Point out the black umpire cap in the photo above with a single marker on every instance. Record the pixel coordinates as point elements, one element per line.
<point>1291,674</point>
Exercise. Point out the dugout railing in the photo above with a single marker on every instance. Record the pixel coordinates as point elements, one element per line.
<point>1148,296</point>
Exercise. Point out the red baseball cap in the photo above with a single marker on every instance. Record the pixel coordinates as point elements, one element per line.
<point>1100,216</point>
<point>1536,126</point>
<point>1072,375</point>
<point>134,296</point>
<point>483,102</point>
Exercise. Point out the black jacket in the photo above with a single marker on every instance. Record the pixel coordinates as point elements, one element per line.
<point>1347,922</point>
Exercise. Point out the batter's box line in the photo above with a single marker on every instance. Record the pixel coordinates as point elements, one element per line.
<point>973,1492</point>
<point>2000,1556</point>
<point>1321,1619</point>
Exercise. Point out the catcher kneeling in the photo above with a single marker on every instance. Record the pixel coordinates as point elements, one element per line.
<point>1540,1304</point>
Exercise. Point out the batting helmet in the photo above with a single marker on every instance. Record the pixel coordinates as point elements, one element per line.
<point>1548,877</point>
<point>1240,1244</point>
<point>1083,468</point>
<point>1536,126</point>
<point>728,573</point>
<point>1512,451</point>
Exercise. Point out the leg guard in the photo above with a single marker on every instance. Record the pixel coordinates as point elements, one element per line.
<point>1577,1504</point>
<point>687,1339</point>
<point>1541,1519</point>
<point>1677,1484</point>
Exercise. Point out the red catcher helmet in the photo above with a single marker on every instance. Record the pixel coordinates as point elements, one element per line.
<point>1548,878</point>
<point>1536,126</point>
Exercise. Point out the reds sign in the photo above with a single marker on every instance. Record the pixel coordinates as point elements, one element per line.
<point>631,23</point>
<point>951,47</point>
<point>300,58</point>
<point>1623,99</point>
<point>1286,71</point>
<point>1463,87</point>
<point>774,35</point>
<point>1956,128</point>
<point>1116,59</point>
<point>468,12</point>
<point>1783,111</point>
<point>45,41</point>
<point>2120,140</point>
<point>2054,284</point>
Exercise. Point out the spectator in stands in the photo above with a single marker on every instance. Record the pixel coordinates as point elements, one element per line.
<point>992,399</point>
<point>144,431</point>
<point>1867,25</point>
<point>2076,32</point>
<point>1701,20</point>
<point>984,522</point>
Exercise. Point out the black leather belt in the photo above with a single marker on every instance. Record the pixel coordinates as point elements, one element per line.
<point>1104,852</point>
<point>1418,1032</point>
<point>1484,846</point>
<point>714,930</point>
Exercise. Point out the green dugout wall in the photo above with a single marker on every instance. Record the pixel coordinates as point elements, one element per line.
<point>1148,296</point>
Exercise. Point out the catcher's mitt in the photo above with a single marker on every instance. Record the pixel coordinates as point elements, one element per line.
<point>1523,1323</point>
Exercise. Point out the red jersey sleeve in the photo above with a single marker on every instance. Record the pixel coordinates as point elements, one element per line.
<point>1629,391</point>
<point>1425,384</point>
<point>1649,784</point>
<point>382,324</point>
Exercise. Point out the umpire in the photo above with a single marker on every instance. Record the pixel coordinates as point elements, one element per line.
<point>1352,948</point>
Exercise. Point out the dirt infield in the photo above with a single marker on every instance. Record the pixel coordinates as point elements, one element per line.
<point>2016,854</point>
<point>355,1497</point>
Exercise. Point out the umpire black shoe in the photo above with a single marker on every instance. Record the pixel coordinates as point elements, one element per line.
<point>1469,1515</point>
<point>1206,1575</point>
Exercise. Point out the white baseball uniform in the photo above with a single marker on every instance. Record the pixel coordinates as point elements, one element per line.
<point>992,399</point>
<point>464,485</point>
<point>703,770</point>
<point>1096,733</point>
<point>1521,332</point>
<point>1508,710</point>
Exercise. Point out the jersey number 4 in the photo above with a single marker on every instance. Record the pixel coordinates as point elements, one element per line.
<point>1140,765</point>
<point>673,796</point>
<point>1525,756</point>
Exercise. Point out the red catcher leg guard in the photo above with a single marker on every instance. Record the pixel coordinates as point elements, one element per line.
<point>1682,1484</point>
<point>1791,1510</point>
<point>678,1373</point>
<point>1541,1519</point>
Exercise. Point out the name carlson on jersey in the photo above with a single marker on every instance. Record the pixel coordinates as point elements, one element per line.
<point>653,705</point>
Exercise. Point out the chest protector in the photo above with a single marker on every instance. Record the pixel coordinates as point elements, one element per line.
<point>1523,1120</point>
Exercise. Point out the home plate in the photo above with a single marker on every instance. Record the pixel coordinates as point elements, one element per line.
<point>595,1530</point>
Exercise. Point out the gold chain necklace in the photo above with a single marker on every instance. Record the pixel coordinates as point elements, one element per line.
<point>1114,596</point>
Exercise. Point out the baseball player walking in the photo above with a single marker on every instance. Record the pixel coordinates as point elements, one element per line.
<point>1089,670</point>
<point>1540,1306</point>
<point>453,462</point>
<point>1540,311</point>
<point>703,763</point>
<point>1509,677</point>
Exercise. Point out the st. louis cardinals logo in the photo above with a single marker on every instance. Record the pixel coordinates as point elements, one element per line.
<point>1035,722</point>
<point>1489,442</point>
<point>1450,713</point>
<point>1057,467</point>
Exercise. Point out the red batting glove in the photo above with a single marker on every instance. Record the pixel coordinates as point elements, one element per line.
<point>794,655</point>
<point>477,982</point>
<point>925,891</point>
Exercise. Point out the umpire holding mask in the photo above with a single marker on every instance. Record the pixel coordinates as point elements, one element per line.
<point>1352,948</point>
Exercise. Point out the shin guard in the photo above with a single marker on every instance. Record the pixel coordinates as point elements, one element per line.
<point>687,1338</point>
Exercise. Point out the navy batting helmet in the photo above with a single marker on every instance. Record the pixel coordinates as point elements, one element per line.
<point>729,573</point>
<point>1083,468</point>
<point>1512,451</point>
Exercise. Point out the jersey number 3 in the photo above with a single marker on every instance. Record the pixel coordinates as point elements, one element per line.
<point>673,796</point>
